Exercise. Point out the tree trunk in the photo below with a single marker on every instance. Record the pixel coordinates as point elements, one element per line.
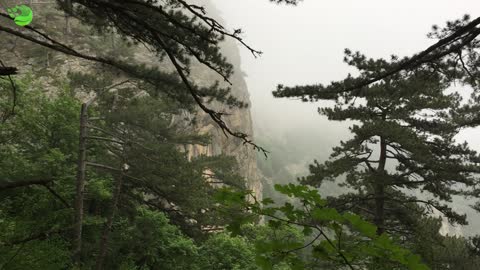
<point>379,188</point>
<point>47,50</point>
<point>108,225</point>
<point>68,28</point>
<point>80,185</point>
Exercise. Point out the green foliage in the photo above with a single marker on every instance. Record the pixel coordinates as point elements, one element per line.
<point>443,252</point>
<point>150,241</point>
<point>403,144</point>
<point>39,140</point>
<point>169,31</point>
<point>222,251</point>
<point>165,196</point>
<point>49,255</point>
<point>342,239</point>
<point>136,134</point>
<point>37,143</point>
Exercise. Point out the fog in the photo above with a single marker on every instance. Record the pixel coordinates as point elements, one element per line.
<point>305,44</point>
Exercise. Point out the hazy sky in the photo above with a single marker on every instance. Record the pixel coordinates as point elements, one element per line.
<point>304,44</point>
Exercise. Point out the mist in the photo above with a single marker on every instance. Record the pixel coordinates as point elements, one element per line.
<point>124,143</point>
<point>305,45</point>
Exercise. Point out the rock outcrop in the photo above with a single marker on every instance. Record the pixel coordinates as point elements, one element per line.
<point>56,65</point>
<point>238,120</point>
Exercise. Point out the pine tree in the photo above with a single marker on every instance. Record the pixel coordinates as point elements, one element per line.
<point>176,32</point>
<point>443,252</point>
<point>39,148</point>
<point>136,140</point>
<point>403,146</point>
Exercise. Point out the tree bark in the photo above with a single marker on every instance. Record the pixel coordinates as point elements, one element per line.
<point>80,185</point>
<point>7,184</point>
<point>68,27</point>
<point>379,188</point>
<point>108,225</point>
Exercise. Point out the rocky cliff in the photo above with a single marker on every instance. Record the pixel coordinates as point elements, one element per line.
<point>54,66</point>
<point>238,119</point>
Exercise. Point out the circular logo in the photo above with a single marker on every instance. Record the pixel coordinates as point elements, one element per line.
<point>22,15</point>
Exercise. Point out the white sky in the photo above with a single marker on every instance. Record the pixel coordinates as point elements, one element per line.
<point>304,45</point>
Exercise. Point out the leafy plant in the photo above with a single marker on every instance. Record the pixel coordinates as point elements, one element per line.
<point>340,239</point>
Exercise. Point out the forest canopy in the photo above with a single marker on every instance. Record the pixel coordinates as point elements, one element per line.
<point>102,163</point>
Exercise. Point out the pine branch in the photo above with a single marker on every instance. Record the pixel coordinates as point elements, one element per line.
<point>38,236</point>
<point>56,195</point>
<point>6,71</point>
<point>466,33</point>
<point>449,45</point>
<point>132,70</point>
<point>213,114</point>
<point>8,184</point>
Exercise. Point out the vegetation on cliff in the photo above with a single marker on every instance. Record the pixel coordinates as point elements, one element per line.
<point>96,173</point>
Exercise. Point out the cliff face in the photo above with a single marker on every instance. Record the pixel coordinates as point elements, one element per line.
<point>56,65</point>
<point>237,120</point>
